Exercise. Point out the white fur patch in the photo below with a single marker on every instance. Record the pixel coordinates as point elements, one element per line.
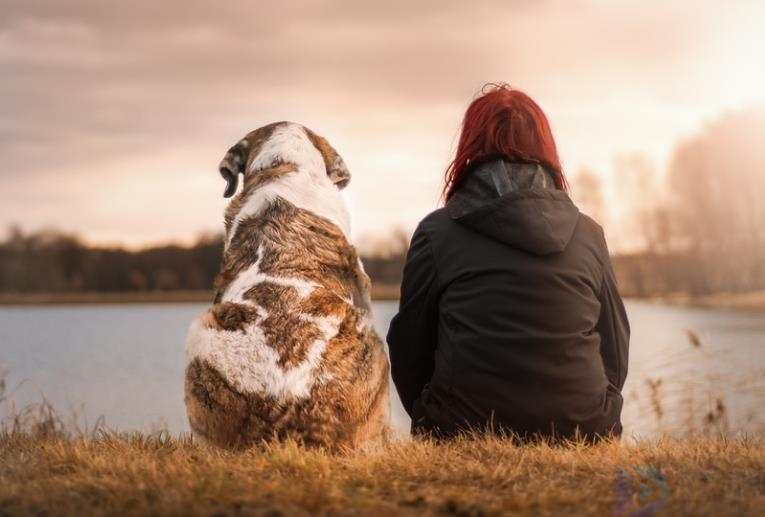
<point>251,366</point>
<point>245,359</point>
<point>308,187</point>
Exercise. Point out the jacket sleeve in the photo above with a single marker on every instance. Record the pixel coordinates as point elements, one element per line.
<point>413,331</point>
<point>614,329</point>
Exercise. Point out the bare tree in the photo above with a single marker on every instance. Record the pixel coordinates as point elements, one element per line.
<point>587,191</point>
<point>642,195</point>
<point>717,180</point>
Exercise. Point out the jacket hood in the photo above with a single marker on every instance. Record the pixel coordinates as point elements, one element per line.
<point>517,204</point>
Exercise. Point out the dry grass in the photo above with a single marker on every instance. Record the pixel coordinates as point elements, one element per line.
<point>157,474</point>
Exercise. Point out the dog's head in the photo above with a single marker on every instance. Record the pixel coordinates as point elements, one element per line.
<point>261,150</point>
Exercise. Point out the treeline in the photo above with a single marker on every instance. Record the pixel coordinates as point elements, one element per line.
<point>650,274</point>
<point>55,262</point>
<point>701,229</point>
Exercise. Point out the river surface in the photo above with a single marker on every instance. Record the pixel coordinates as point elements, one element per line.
<point>124,363</point>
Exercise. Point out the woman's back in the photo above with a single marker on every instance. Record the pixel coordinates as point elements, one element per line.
<point>508,297</point>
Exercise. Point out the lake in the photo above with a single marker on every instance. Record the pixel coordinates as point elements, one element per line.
<point>125,363</point>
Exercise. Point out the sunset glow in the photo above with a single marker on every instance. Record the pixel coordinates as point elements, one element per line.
<point>113,118</point>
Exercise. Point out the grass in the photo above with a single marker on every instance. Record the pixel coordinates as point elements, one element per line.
<point>48,473</point>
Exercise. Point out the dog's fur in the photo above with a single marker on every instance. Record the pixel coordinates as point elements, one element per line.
<point>288,349</point>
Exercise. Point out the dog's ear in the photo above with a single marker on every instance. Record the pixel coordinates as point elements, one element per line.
<point>336,169</point>
<point>232,165</point>
<point>338,172</point>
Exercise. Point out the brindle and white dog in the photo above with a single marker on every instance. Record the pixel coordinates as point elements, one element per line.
<point>288,349</point>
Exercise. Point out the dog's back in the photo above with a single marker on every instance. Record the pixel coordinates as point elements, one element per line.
<point>288,348</point>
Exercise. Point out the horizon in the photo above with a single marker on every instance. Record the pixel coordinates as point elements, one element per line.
<point>115,118</point>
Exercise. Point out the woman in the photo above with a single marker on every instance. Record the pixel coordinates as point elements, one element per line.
<point>510,319</point>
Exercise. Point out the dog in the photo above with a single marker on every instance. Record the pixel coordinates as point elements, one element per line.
<point>287,350</point>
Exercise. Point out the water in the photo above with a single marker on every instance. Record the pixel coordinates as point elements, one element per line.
<point>125,363</point>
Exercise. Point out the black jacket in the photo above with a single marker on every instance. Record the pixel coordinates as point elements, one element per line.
<point>509,314</point>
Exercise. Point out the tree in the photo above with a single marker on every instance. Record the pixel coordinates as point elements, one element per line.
<point>643,213</point>
<point>717,180</point>
<point>587,191</point>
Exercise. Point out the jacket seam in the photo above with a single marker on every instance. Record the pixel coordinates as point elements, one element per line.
<point>432,260</point>
<point>612,331</point>
<point>603,261</point>
<point>545,219</point>
<point>435,289</point>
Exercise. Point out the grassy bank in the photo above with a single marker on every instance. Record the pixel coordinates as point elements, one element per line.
<point>135,474</point>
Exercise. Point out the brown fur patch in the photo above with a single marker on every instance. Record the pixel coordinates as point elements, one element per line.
<point>209,321</point>
<point>328,152</point>
<point>257,179</point>
<point>336,169</point>
<point>233,316</point>
<point>295,243</point>
<point>286,332</point>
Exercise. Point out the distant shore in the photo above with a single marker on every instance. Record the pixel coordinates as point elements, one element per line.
<point>749,302</point>
<point>379,293</point>
<point>753,301</point>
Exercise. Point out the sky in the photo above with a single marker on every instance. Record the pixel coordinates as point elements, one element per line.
<point>114,115</point>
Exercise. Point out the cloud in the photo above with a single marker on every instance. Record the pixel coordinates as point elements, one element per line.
<point>91,86</point>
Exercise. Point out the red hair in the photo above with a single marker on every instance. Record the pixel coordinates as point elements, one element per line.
<point>506,123</point>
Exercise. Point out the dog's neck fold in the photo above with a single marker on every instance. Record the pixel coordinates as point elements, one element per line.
<point>308,187</point>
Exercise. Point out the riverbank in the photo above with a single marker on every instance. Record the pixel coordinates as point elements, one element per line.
<point>379,293</point>
<point>749,302</point>
<point>157,474</point>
